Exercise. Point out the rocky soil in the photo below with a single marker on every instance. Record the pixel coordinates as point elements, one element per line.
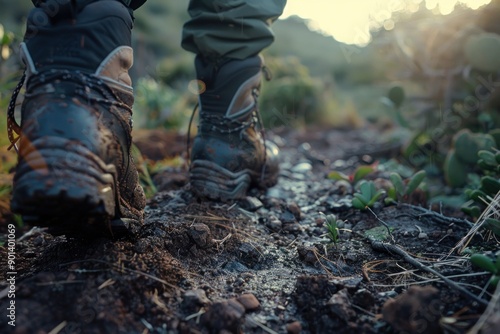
<point>261,265</point>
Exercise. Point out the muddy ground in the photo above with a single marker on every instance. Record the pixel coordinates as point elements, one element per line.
<point>261,265</point>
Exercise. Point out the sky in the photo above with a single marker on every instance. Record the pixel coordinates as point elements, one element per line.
<point>350,21</point>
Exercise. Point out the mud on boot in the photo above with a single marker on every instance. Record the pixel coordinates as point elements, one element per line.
<point>229,154</point>
<point>74,172</point>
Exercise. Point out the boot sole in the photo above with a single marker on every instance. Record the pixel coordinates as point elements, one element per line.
<point>67,188</point>
<point>217,183</point>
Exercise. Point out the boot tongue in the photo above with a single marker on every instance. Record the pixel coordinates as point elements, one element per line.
<point>232,87</point>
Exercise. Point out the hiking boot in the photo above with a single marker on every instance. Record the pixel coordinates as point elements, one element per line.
<point>74,172</point>
<point>229,154</point>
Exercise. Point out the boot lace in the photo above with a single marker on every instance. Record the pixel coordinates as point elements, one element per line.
<point>225,125</point>
<point>87,87</point>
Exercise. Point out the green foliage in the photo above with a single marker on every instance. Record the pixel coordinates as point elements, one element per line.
<point>489,186</point>
<point>491,265</point>
<point>483,51</point>
<point>292,98</point>
<point>396,95</point>
<point>359,173</point>
<point>367,195</point>
<point>402,189</point>
<point>332,228</point>
<point>6,40</point>
<point>158,105</point>
<point>463,158</point>
<point>143,171</point>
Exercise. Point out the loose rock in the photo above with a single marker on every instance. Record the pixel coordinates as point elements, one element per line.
<point>225,315</point>
<point>340,305</point>
<point>249,301</point>
<point>410,311</point>
<point>200,233</point>
<point>294,328</point>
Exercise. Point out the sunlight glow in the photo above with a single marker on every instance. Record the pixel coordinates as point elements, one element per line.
<point>351,21</point>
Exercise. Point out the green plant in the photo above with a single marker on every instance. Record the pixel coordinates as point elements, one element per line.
<point>400,189</point>
<point>332,228</point>
<point>489,264</point>
<point>143,171</point>
<point>6,40</point>
<point>483,51</point>
<point>359,173</point>
<point>394,100</point>
<point>463,158</point>
<point>367,195</point>
<point>489,186</point>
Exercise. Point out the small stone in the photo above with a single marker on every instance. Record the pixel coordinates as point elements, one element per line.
<point>223,316</point>
<point>249,301</point>
<point>388,294</point>
<point>351,256</point>
<point>422,235</point>
<point>363,298</point>
<point>196,297</point>
<point>409,310</point>
<point>302,167</point>
<point>295,210</point>
<point>201,235</point>
<point>251,203</point>
<point>292,227</point>
<point>275,193</point>
<point>294,328</point>
<point>341,205</point>
<point>340,305</point>
<point>274,223</point>
<point>287,217</point>
<point>307,254</point>
<point>235,266</point>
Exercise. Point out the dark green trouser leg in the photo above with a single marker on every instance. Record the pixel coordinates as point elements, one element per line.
<point>230,28</point>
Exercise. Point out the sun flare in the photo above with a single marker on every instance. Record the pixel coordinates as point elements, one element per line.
<point>350,22</point>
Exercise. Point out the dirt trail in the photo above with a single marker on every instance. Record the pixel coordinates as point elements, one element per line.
<point>262,265</point>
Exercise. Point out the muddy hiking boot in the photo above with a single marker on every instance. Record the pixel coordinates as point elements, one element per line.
<point>229,154</point>
<point>75,173</point>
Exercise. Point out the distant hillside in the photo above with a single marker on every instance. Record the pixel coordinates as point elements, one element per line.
<point>158,28</point>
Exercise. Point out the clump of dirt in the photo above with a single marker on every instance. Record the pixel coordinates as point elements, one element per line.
<point>263,264</point>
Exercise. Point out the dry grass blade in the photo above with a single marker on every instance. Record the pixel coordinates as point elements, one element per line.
<point>491,311</point>
<point>492,211</point>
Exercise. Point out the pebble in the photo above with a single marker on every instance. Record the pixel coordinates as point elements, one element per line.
<point>343,204</point>
<point>340,305</point>
<point>307,254</point>
<point>235,266</point>
<point>302,167</point>
<point>193,299</point>
<point>294,328</point>
<point>224,316</point>
<point>251,203</point>
<point>287,217</point>
<point>388,294</point>
<point>295,210</point>
<point>249,301</point>
<point>276,193</point>
<point>201,235</point>
<point>363,298</point>
<point>274,223</point>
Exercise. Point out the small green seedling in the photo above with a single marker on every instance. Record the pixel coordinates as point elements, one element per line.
<point>488,264</point>
<point>333,230</point>
<point>367,196</point>
<point>356,176</point>
<point>402,189</point>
